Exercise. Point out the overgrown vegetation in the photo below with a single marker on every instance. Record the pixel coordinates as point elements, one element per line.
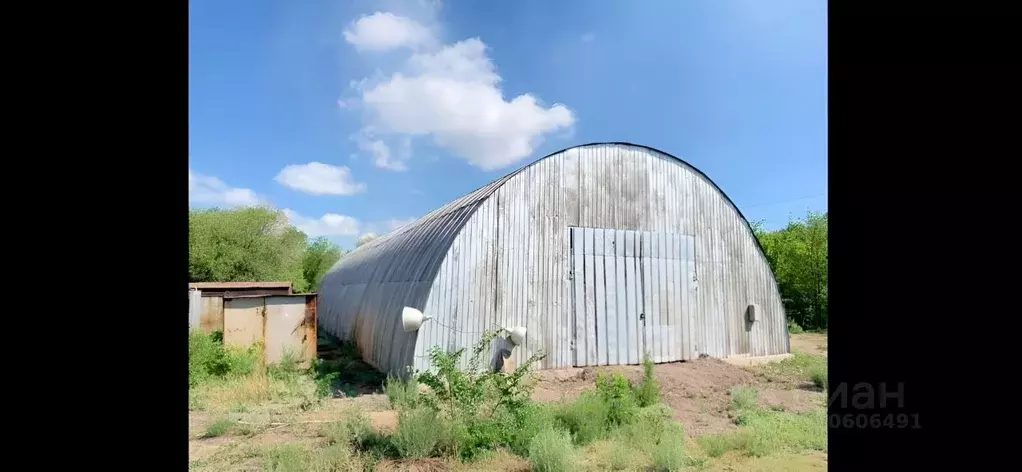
<point>798,257</point>
<point>800,367</point>
<point>468,412</point>
<point>763,431</point>
<point>225,379</point>
<point>255,245</point>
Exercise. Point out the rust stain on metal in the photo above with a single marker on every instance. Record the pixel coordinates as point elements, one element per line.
<point>211,315</point>
<point>263,338</point>
<point>311,334</point>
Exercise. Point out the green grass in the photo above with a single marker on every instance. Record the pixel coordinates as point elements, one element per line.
<point>763,431</point>
<point>669,454</point>
<point>294,458</point>
<point>400,393</point>
<point>800,367</point>
<point>472,419</point>
<point>819,378</point>
<point>219,428</point>
<point>622,456</point>
<point>416,436</point>
<point>551,451</point>
<point>743,398</point>
<point>586,418</point>
<point>224,379</point>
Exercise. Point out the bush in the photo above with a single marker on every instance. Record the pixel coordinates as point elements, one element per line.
<point>819,377</point>
<point>483,409</point>
<point>794,328</point>
<point>587,418</point>
<point>416,435</point>
<point>622,456</point>
<point>717,445</point>
<point>353,429</point>
<point>649,427</point>
<point>401,393</point>
<point>616,391</point>
<point>292,458</point>
<point>228,379</point>
<point>529,422</point>
<point>743,398</point>
<point>764,431</point>
<point>209,359</point>
<point>551,451</point>
<point>669,454</point>
<point>647,393</point>
<point>219,428</point>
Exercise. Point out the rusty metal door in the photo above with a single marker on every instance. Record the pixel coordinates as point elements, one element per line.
<point>243,321</point>
<point>286,330</point>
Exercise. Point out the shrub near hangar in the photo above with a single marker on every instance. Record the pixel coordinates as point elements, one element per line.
<point>602,252</point>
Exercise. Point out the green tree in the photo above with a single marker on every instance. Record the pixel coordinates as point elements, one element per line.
<point>320,256</point>
<point>798,256</point>
<point>245,245</point>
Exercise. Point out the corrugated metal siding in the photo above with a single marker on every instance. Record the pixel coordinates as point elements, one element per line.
<point>363,294</point>
<point>499,257</point>
<point>194,308</point>
<point>211,313</point>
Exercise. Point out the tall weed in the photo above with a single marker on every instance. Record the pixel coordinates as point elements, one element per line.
<point>616,391</point>
<point>402,393</point>
<point>647,393</point>
<point>587,418</point>
<point>416,435</point>
<point>551,451</point>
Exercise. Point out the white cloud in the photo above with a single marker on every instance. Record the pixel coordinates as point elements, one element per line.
<point>381,153</point>
<point>316,178</point>
<point>384,31</point>
<point>209,190</point>
<point>452,94</point>
<point>588,37</point>
<point>330,224</point>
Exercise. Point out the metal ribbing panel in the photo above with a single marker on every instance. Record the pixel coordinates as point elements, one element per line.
<point>506,246</point>
<point>592,336</point>
<point>659,348</point>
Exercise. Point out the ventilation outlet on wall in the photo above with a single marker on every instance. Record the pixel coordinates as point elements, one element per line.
<point>517,335</point>
<point>412,319</point>
<point>752,313</point>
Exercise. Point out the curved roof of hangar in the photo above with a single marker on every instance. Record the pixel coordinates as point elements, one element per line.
<point>429,237</point>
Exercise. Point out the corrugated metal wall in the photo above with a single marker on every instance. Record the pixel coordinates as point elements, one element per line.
<point>362,296</point>
<point>633,293</point>
<point>194,308</point>
<point>500,257</point>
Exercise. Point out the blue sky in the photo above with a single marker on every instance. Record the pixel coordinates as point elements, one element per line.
<point>355,116</point>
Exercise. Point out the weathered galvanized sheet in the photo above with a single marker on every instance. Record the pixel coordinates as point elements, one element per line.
<point>633,297</point>
<point>211,314</point>
<point>243,321</point>
<point>194,308</point>
<point>286,330</point>
<point>501,257</point>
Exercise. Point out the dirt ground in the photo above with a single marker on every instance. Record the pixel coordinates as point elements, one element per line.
<point>810,343</point>
<point>698,391</point>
